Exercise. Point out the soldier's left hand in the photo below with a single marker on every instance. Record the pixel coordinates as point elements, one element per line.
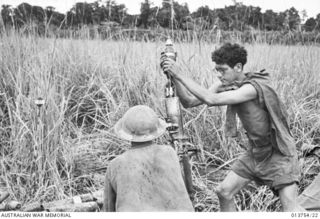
<point>170,67</point>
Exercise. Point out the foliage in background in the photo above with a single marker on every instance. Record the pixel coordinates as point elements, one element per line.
<point>237,17</point>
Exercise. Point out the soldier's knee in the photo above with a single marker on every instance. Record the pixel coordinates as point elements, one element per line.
<point>224,193</point>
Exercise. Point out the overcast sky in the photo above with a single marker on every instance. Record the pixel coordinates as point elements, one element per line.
<point>311,6</point>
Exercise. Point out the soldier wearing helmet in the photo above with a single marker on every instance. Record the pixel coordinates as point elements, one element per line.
<point>147,177</point>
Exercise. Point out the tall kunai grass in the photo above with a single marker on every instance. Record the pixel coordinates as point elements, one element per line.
<point>63,148</point>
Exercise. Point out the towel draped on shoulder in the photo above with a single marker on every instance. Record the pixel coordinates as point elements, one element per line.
<point>278,116</point>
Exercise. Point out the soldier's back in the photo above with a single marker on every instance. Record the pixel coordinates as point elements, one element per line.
<point>149,179</point>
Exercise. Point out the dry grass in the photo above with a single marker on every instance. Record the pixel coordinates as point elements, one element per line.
<point>65,148</point>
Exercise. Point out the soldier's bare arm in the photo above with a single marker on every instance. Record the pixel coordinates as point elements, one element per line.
<point>189,100</point>
<point>244,93</point>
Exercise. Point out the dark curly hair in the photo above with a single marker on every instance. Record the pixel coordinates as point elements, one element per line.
<point>230,54</point>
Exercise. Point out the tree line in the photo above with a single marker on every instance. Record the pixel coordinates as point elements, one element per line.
<point>170,14</point>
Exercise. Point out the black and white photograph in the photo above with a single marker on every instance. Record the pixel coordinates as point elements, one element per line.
<point>194,108</point>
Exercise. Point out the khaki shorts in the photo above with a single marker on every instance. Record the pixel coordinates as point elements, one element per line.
<point>267,166</point>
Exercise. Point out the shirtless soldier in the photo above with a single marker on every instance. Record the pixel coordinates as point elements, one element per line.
<point>147,177</point>
<point>271,158</point>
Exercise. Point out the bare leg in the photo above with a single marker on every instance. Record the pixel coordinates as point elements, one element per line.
<point>289,198</point>
<point>228,188</point>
